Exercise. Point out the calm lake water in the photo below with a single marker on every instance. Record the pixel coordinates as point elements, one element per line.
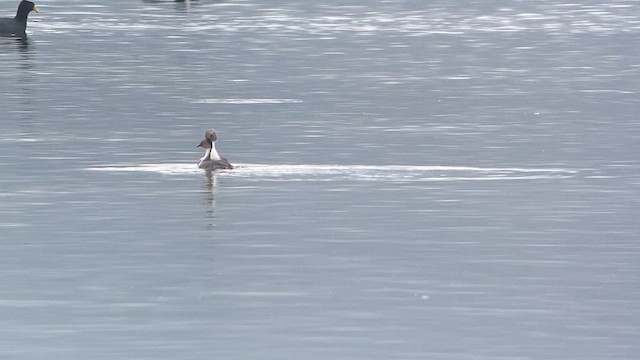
<point>451,180</point>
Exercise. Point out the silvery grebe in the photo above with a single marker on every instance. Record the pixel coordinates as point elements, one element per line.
<point>211,159</point>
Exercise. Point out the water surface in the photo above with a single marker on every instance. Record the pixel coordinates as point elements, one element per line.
<point>452,180</point>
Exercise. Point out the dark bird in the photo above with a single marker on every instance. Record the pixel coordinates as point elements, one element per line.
<point>211,159</point>
<point>17,26</point>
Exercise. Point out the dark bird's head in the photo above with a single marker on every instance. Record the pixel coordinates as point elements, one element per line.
<point>25,8</point>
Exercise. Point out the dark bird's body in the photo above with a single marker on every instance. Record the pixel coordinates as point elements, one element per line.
<point>17,26</point>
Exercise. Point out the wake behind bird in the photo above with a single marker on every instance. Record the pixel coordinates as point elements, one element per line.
<point>315,172</point>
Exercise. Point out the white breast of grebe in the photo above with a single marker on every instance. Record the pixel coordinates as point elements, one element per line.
<point>214,152</point>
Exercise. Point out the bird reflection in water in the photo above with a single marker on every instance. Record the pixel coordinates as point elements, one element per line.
<point>184,4</point>
<point>210,185</point>
<point>179,4</point>
<point>21,53</point>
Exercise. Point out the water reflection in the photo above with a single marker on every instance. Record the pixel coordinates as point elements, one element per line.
<point>21,65</point>
<point>210,184</point>
<point>23,44</point>
<point>25,49</point>
<point>476,198</point>
<point>181,4</point>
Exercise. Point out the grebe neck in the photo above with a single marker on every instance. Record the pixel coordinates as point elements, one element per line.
<point>213,154</point>
<point>206,157</point>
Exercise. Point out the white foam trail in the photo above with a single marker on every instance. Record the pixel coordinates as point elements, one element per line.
<point>165,169</point>
<point>354,172</point>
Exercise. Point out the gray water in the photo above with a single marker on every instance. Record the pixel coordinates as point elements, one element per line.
<point>441,180</point>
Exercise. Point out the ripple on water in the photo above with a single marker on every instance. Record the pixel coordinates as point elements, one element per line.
<point>246,101</point>
<point>554,18</point>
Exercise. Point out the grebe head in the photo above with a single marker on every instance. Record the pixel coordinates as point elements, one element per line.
<point>211,134</point>
<point>205,144</point>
